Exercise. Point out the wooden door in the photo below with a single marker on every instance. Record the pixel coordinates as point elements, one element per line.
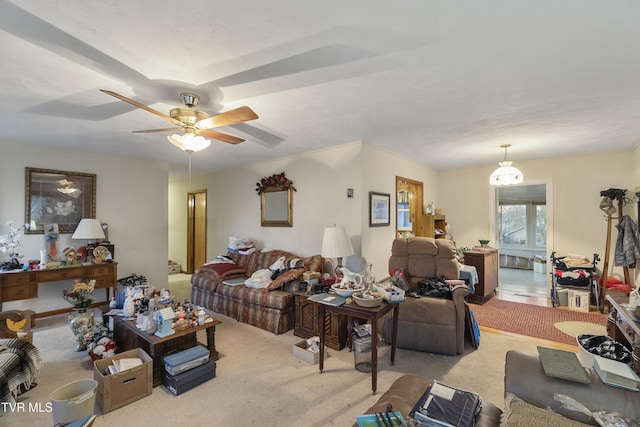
<point>196,230</point>
<point>414,189</point>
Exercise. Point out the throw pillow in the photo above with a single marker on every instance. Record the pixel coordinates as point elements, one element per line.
<point>518,413</point>
<point>224,269</point>
<point>285,277</point>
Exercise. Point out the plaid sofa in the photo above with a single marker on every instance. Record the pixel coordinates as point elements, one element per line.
<point>271,309</point>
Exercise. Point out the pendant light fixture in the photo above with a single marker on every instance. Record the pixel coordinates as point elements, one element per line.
<point>506,174</point>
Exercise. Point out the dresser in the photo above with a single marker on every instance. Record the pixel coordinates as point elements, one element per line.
<point>20,285</point>
<point>486,263</point>
<point>306,322</point>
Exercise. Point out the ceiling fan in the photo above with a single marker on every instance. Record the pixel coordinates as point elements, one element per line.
<point>196,124</point>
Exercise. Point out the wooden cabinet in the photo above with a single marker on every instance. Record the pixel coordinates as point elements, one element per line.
<point>486,264</point>
<point>306,322</point>
<point>432,226</point>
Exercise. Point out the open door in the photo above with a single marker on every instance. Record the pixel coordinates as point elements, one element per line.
<point>196,230</point>
<point>409,207</point>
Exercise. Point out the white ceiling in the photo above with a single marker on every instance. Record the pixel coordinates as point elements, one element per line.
<point>444,82</point>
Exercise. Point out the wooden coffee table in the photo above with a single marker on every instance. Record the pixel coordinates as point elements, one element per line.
<point>127,336</point>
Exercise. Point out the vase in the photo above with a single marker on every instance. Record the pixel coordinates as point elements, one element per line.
<point>77,318</point>
<point>368,278</point>
<point>129,306</point>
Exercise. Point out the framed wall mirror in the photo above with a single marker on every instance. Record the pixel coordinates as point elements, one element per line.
<point>276,207</point>
<point>58,197</point>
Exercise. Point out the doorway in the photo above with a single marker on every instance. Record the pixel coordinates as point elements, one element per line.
<point>408,206</point>
<point>522,234</point>
<point>196,230</point>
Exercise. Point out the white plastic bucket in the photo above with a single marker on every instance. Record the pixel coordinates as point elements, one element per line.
<point>73,401</point>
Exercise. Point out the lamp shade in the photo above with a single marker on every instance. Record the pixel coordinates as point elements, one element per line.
<point>336,243</point>
<point>189,142</point>
<point>506,174</point>
<point>88,228</point>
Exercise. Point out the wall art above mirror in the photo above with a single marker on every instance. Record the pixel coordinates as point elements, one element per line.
<point>276,201</point>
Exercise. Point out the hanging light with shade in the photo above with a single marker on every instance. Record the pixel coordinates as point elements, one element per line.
<point>506,174</point>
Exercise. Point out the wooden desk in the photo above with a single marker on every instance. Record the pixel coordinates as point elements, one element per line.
<point>20,285</point>
<point>352,311</point>
<point>127,337</point>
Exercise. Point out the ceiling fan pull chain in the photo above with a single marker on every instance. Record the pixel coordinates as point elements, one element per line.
<point>189,171</point>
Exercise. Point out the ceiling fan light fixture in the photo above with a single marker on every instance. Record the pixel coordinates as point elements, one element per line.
<point>189,142</point>
<point>506,174</point>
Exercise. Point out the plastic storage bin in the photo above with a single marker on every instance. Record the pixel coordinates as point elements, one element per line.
<point>73,401</point>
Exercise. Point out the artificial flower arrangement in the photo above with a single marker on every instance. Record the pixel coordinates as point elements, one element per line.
<point>93,335</point>
<point>104,348</point>
<point>10,242</point>
<point>81,294</point>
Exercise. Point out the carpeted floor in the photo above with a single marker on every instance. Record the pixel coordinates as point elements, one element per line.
<point>259,382</point>
<point>531,320</point>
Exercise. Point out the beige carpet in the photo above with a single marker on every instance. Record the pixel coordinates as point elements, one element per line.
<point>259,382</point>
<point>578,328</point>
<point>180,286</point>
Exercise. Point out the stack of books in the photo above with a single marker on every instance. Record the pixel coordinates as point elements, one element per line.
<point>617,374</point>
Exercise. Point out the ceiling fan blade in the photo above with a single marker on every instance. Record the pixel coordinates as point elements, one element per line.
<point>231,117</point>
<point>144,107</point>
<point>219,136</point>
<point>159,130</point>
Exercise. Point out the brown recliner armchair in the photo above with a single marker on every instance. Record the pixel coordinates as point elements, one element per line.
<point>433,325</point>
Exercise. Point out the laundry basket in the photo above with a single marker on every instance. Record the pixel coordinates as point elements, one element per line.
<point>73,401</point>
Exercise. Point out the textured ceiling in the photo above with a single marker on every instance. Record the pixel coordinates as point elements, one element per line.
<point>443,82</point>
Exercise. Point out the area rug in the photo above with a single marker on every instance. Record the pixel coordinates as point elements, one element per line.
<point>531,320</point>
<point>574,329</point>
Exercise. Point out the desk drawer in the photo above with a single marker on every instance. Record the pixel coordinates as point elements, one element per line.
<point>103,281</point>
<point>19,292</point>
<point>101,270</point>
<point>61,274</point>
<point>20,279</point>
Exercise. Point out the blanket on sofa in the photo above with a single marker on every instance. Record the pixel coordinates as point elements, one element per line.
<point>20,363</point>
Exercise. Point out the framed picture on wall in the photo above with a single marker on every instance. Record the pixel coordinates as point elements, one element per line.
<point>379,209</point>
<point>58,197</point>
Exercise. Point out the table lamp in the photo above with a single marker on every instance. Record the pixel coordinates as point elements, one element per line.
<point>90,229</point>
<point>336,244</point>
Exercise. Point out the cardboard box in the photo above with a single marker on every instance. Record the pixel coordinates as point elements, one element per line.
<point>122,388</point>
<point>579,300</point>
<point>187,380</point>
<point>301,351</point>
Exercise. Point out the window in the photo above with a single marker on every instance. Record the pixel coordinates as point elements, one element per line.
<point>404,214</point>
<point>523,224</point>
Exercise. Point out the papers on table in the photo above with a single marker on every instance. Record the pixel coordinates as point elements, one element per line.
<point>329,299</point>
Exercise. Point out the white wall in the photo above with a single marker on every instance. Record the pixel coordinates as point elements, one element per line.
<point>380,169</point>
<point>131,198</point>
<point>579,225</point>
<point>322,178</point>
